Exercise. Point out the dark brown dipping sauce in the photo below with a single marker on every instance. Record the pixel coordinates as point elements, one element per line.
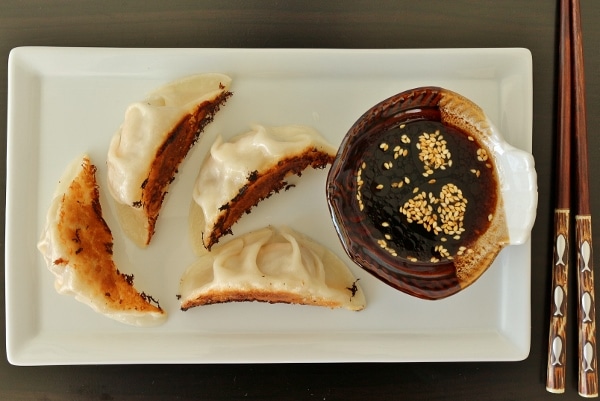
<point>413,191</point>
<point>425,191</point>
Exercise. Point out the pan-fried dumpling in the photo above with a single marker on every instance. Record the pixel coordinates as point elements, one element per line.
<point>238,174</point>
<point>77,246</point>
<point>269,265</point>
<point>155,137</point>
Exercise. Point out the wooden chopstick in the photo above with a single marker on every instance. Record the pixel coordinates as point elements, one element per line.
<point>556,369</point>
<point>572,100</point>
<point>586,311</point>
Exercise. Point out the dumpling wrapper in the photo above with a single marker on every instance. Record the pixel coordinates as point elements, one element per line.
<point>236,175</point>
<point>155,136</point>
<point>275,266</point>
<point>76,244</point>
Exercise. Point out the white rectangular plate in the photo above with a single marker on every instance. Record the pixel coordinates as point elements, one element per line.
<point>63,102</point>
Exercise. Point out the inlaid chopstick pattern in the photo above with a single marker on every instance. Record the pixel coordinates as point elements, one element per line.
<point>588,375</point>
<point>555,380</point>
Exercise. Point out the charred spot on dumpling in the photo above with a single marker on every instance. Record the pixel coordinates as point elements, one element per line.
<point>76,238</point>
<point>128,278</point>
<point>253,176</point>
<point>150,299</point>
<point>353,288</point>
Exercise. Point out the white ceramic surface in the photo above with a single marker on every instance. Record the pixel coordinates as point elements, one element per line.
<point>518,185</point>
<point>65,101</point>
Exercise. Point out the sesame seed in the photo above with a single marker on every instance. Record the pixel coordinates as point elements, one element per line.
<point>433,151</point>
<point>482,154</point>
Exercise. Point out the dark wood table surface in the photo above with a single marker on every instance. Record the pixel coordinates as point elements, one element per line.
<point>321,24</point>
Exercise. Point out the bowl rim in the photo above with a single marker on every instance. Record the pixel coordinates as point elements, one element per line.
<point>515,173</point>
